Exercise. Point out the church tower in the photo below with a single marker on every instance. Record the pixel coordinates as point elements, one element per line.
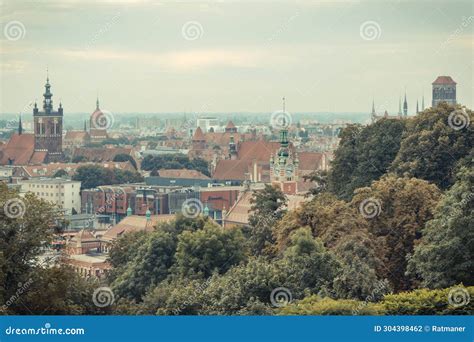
<point>444,90</point>
<point>48,127</point>
<point>283,164</point>
<point>405,105</point>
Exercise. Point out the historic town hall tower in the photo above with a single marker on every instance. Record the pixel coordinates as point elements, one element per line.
<point>48,128</point>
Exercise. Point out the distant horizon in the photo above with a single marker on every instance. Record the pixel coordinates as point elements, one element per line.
<point>334,56</point>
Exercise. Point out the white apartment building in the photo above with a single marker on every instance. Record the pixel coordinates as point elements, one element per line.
<point>6,172</point>
<point>207,122</point>
<point>64,193</point>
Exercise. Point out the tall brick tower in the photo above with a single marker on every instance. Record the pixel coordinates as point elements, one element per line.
<point>48,127</point>
<point>444,90</point>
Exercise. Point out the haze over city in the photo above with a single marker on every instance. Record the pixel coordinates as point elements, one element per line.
<point>150,56</point>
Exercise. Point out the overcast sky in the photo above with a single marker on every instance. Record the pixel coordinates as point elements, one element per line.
<point>233,56</point>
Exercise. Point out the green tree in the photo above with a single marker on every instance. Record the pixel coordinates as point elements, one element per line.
<point>307,265</point>
<point>211,249</point>
<point>396,210</point>
<point>60,173</point>
<point>122,157</point>
<point>27,225</point>
<point>433,143</point>
<point>92,176</point>
<point>364,155</point>
<point>79,159</point>
<point>445,254</point>
<point>268,207</point>
<point>144,267</point>
<point>345,162</point>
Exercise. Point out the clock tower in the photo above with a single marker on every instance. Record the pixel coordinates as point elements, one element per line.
<point>284,165</point>
<point>48,127</point>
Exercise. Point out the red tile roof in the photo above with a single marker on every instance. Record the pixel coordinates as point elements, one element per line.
<point>38,157</point>
<point>20,149</point>
<point>198,135</point>
<point>310,161</point>
<point>76,135</point>
<point>100,154</point>
<point>444,80</point>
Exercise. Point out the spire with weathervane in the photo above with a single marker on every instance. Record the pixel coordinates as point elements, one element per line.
<point>20,127</point>
<point>47,102</point>
<point>405,105</point>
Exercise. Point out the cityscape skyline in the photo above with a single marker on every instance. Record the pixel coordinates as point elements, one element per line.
<point>150,57</point>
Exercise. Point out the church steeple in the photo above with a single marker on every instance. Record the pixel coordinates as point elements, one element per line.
<point>405,105</point>
<point>423,102</point>
<point>400,105</point>
<point>97,103</point>
<point>47,102</point>
<point>417,109</point>
<point>20,127</point>
<point>373,107</point>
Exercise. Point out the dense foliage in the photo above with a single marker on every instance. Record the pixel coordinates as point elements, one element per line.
<point>174,161</point>
<point>92,176</point>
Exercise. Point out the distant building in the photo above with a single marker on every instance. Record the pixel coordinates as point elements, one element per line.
<point>48,128</point>
<point>444,90</point>
<point>45,144</point>
<point>98,123</point>
<point>206,123</point>
<point>284,166</point>
<point>62,192</point>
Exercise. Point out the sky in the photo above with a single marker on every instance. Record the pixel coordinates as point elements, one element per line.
<point>233,56</point>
